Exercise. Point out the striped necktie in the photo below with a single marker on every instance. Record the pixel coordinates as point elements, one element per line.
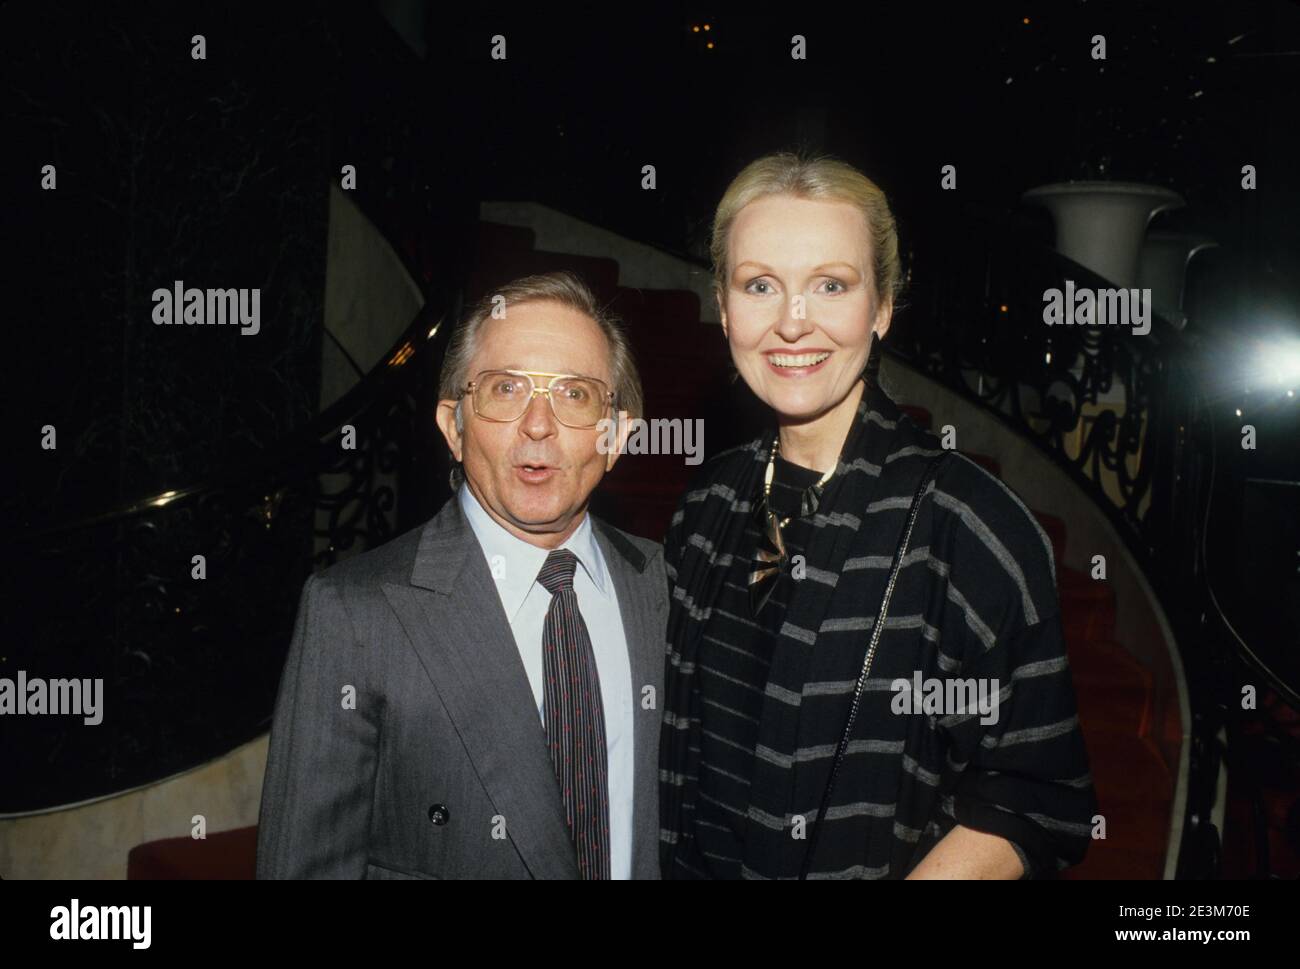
<point>575,717</point>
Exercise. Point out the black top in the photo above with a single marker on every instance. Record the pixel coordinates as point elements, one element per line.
<point>735,676</point>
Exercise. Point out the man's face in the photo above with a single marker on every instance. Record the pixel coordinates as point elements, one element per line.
<point>534,476</point>
<point>800,306</point>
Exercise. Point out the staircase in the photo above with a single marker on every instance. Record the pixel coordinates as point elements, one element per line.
<point>681,360</point>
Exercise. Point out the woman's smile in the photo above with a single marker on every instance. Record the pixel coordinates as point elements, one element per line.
<point>802,363</point>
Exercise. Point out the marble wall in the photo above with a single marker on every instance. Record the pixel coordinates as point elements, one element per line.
<point>92,840</point>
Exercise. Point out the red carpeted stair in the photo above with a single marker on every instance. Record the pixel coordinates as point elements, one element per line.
<point>223,856</point>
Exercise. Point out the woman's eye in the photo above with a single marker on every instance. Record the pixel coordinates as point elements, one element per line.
<point>753,287</point>
<point>835,286</point>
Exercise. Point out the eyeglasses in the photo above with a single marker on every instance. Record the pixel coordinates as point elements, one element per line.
<point>504,395</point>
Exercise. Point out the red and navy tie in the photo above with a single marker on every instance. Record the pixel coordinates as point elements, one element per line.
<point>575,717</point>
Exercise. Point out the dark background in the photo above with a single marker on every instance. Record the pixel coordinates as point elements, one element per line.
<point>216,169</point>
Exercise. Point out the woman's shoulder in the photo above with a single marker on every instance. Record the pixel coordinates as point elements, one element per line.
<point>992,537</point>
<point>725,470</point>
<point>715,484</point>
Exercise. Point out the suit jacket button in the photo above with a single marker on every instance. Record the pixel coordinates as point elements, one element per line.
<point>439,814</point>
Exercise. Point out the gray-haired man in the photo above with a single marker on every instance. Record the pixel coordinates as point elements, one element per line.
<point>507,657</point>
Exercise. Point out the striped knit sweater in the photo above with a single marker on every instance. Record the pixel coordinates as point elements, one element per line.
<point>754,707</point>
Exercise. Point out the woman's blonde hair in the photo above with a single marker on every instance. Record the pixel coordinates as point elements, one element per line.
<point>820,177</point>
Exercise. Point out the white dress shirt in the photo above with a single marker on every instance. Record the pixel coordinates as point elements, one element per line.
<point>515,565</point>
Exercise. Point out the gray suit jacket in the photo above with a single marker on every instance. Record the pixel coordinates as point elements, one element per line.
<point>441,769</point>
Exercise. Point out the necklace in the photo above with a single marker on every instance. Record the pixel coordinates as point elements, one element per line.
<point>771,553</point>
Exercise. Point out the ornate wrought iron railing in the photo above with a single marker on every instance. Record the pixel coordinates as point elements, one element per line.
<point>1109,405</point>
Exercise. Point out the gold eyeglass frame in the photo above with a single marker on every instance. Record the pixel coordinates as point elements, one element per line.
<point>531,374</point>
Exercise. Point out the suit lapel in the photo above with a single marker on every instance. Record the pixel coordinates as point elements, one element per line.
<point>643,608</point>
<point>453,617</point>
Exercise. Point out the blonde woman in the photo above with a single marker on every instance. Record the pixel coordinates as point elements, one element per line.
<point>799,739</point>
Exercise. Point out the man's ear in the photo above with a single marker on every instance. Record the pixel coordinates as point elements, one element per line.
<point>621,436</point>
<point>446,417</point>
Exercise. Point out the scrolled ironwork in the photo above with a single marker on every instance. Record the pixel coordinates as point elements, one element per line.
<point>1097,398</point>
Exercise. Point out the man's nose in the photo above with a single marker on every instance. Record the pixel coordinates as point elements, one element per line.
<point>538,420</point>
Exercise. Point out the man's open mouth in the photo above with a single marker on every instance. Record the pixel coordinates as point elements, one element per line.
<point>535,473</point>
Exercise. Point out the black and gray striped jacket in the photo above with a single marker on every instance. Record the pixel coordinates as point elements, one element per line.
<point>976,603</point>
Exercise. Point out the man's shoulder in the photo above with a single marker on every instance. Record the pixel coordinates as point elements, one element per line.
<point>390,562</point>
<point>640,552</point>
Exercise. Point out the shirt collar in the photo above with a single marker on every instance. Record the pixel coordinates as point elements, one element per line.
<point>515,563</point>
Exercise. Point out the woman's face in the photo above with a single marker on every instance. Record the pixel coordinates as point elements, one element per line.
<point>797,308</point>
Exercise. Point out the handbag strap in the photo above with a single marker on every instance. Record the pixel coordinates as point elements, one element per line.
<point>931,469</point>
